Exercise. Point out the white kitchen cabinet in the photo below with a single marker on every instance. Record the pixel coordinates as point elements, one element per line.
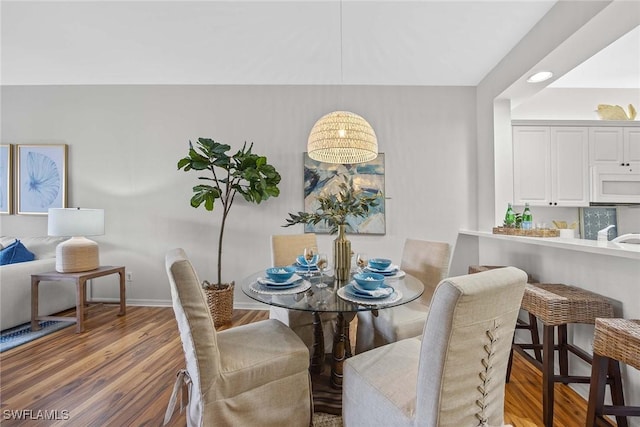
<point>614,146</point>
<point>551,165</point>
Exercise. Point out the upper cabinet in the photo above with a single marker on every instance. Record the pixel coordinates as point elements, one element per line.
<point>614,146</point>
<point>551,165</point>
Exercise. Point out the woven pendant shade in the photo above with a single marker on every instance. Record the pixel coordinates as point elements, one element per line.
<point>342,137</point>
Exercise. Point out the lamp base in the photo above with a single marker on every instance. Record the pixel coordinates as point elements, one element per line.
<point>77,254</point>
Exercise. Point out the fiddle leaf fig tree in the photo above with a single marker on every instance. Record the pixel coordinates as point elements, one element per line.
<point>244,172</point>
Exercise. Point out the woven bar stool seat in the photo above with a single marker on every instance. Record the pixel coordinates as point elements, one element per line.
<point>557,305</point>
<point>615,340</point>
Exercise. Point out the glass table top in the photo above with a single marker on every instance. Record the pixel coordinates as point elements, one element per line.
<point>308,296</point>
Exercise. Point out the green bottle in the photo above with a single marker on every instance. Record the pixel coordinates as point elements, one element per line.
<point>527,218</point>
<point>510,217</point>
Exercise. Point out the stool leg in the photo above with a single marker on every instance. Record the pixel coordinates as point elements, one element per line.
<point>535,337</point>
<point>547,375</point>
<point>563,354</point>
<point>596,389</point>
<point>617,395</point>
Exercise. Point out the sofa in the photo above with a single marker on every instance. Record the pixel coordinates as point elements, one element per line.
<point>15,283</point>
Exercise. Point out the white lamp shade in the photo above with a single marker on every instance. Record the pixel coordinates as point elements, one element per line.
<point>342,137</point>
<point>76,222</point>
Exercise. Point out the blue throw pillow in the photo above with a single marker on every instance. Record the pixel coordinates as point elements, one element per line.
<point>14,253</point>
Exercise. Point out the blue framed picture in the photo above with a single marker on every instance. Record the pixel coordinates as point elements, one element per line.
<point>325,177</point>
<point>6,187</point>
<point>42,178</point>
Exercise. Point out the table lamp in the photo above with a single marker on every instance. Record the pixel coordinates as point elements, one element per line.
<point>77,253</point>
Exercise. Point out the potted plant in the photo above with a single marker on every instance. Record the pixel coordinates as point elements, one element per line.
<point>244,172</point>
<point>334,210</point>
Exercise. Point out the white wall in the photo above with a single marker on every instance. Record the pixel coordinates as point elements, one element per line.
<point>573,104</point>
<point>124,143</point>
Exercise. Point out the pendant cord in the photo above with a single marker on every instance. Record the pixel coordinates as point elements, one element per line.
<point>341,47</point>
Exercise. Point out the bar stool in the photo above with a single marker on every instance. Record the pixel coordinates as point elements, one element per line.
<point>615,340</point>
<point>532,326</point>
<point>557,305</point>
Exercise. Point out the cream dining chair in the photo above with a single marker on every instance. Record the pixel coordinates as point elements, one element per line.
<point>284,250</point>
<point>429,262</point>
<point>255,374</point>
<point>451,376</point>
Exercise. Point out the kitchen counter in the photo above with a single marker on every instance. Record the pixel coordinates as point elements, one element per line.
<point>625,250</point>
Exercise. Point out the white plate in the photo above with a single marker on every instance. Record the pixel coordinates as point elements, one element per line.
<point>299,287</point>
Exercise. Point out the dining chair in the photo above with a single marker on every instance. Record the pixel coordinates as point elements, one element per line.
<point>284,250</point>
<point>429,262</point>
<point>255,374</point>
<point>454,373</point>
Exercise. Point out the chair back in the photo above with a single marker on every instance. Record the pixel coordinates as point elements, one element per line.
<point>286,247</point>
<point>197,331</point>
<point>428,261</point>
<point>465,348</point>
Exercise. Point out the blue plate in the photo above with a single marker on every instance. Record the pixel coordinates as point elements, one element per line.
<point>354,292</point>
<point>388,272</point>
<point>268,282</point>
<point>272,285</point>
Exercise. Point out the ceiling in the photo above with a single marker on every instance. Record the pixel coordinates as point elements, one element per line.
<point>351,42</point>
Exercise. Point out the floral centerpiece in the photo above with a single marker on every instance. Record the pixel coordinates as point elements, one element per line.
<point>334,210</point>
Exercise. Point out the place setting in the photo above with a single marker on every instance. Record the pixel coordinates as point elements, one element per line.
<point>368,288</point>
<point>382,266</point>
<point>307,263</point>
<point>280,281</point>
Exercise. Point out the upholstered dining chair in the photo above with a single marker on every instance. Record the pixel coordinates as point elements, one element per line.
<point>429,262</point>
<point>284,250</point>
<point>451,376</point>
<point>255,374</point>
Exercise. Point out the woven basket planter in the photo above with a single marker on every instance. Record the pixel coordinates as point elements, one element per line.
<point>220,301</point>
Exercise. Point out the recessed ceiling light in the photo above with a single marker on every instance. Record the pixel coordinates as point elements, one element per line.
<point>540,77</point>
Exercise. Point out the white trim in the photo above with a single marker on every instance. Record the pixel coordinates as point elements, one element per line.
<point>167,303</point>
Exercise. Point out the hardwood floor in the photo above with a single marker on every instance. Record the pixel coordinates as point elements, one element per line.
<point>121,371</point>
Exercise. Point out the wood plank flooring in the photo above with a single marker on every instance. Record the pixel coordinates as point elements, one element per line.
<point>121,371</point>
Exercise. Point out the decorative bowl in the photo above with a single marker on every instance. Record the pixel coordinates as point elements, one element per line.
<point>369,281</point>
<point>379,263</point>
<point>280,274</point>
<point>303,261</point>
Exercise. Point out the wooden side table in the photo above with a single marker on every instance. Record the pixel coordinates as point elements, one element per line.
<point>80,280</point>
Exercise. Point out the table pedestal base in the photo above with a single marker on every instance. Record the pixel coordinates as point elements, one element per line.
<point>326,398</point>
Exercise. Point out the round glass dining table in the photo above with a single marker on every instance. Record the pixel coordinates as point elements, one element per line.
<point>331,299</point>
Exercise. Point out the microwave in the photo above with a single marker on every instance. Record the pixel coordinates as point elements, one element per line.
<point>615,184</point>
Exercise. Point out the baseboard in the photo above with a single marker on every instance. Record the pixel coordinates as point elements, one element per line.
<point>167,303</point>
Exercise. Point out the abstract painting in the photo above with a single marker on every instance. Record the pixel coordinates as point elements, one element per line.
<point>325,177</point>
<point>6,196</point>
<point>42,178</point>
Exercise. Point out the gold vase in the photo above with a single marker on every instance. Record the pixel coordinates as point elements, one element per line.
<point>342,255</point>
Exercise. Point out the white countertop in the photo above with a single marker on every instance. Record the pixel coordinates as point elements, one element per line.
<point>624,250</point>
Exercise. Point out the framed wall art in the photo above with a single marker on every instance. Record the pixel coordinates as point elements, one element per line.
<point>325,177</point>
<point>41,178</point>
<point>6,181</point>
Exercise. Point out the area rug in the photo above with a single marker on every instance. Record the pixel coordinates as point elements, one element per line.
<point>326,420</point>
<point>11,338</point>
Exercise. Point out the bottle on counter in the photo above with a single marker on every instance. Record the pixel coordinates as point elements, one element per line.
<point>527,218</point>
<point>510,217</point>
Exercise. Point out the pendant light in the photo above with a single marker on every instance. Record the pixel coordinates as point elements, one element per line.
<point>342,137</point>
